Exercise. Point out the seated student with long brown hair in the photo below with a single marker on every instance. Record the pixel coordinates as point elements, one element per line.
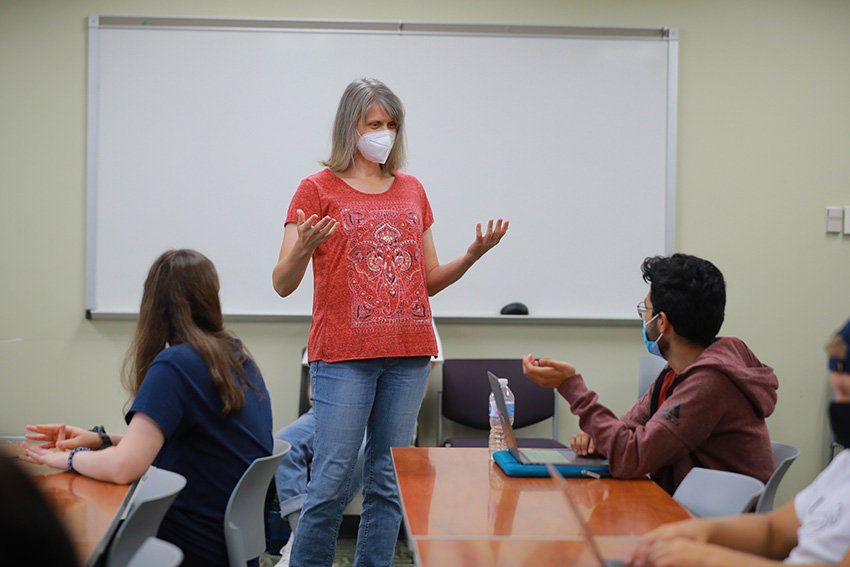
<point>200,408</point>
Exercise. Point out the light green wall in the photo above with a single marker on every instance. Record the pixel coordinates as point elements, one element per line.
<point>764,139</point>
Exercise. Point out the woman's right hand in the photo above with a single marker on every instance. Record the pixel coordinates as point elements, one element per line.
<point>64,437</point>
<point>300,240</point>
<point>313,232</point>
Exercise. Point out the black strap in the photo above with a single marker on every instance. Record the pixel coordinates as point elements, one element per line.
<point>105,441</point>
<point>656,389</point>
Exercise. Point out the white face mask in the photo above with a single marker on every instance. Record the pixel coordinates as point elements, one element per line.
<point>376,146</point>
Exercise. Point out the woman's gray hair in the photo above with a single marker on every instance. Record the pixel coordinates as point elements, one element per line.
<point>358,98</point>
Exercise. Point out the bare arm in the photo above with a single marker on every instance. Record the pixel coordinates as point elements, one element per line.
<point>300,240</point>
<point>771,535</point>
<point>124,463</point>
<point>748,540</point>
<point>440,276</point>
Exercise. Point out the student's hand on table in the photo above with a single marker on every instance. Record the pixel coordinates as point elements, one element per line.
<point>313,232</point>
<point>679,544</point>
<point>582,444</point>
<point>688,553</point>
<point>678,553</point>
<point>63,436</point>
<point>546,372</point>
<point>486,241</point>
<point>54,458</point>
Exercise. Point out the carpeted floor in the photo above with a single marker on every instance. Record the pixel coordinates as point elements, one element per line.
<point>345,554</point>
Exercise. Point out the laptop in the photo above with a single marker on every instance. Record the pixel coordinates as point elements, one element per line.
<point>564,486</point>
<point>535,456</point>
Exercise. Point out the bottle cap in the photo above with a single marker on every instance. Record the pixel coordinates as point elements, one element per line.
<point>503,381</point>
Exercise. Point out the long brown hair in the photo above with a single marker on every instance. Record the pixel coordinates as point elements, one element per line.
<point>180,305</point>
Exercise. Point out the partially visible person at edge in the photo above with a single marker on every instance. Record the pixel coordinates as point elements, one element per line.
<point>813,529</point>
<point>706,408</point>
<point>371,336</point>
<point>200,408</point>
<point>28,523</point>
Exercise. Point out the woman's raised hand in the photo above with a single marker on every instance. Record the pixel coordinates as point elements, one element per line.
<point>486,241</point>
<point>312,232</point>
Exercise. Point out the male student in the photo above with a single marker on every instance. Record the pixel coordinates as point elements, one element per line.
<point>813,529</point>
<point>707,406</point>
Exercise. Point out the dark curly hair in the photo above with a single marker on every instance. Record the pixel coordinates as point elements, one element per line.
<point>691,291</point>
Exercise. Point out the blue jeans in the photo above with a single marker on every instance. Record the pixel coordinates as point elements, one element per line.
<point>291,476</point>
<point>381,397</point>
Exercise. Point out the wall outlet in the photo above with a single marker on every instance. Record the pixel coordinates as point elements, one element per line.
<point>833,219</point>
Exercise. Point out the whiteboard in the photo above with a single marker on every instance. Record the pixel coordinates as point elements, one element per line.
<point>200,131</point>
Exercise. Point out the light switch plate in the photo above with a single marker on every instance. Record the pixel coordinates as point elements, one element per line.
<point>833,219</point>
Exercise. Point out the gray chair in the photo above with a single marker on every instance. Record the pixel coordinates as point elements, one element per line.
<point>464,400</point>
<point>244,517</point>
<point>833,445</point>
<point>709,493</point>
<point>783,456</point>
<point>650,367</point>
<point>153,496</point>
<point>155,552</point>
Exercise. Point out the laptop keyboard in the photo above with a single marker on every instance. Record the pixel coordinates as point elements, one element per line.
<point>543,456</point>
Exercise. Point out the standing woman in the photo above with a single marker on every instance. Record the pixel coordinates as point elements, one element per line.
<point>200,408</point>
<point>367,228</point>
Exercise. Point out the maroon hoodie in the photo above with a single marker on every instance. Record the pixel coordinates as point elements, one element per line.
<point>713,417</point>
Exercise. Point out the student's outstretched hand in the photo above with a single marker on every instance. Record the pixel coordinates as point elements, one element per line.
<point>486,241</point>
<point>61,436</point>
<point>546,372</point>
<point>313,232</point>
<point>679,544</point>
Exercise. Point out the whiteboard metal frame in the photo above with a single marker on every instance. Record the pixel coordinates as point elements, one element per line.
<point>97,22</point>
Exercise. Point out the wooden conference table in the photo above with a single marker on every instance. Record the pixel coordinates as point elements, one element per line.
<point>90,509</point>
<point>459,509</point>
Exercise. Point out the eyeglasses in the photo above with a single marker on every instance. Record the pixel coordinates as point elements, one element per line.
<point>642,309</point>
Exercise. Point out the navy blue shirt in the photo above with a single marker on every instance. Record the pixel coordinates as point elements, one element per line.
<point>211,451</point>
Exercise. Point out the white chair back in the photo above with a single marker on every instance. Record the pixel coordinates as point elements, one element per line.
<point>709,493</point>
<point>244,522</point>
<point>155,552</point>
<point>151,500</point>
<point>783,457</point>
<point>650,367</point>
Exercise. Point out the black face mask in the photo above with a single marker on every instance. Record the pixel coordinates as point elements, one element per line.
<point>839,419</point>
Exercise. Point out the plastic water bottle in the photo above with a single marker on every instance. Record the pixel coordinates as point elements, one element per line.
<point>497,435</point>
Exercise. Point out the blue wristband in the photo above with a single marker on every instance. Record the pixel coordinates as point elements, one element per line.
<point>71,457</point>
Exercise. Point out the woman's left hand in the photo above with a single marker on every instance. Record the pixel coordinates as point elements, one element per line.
<point>53,458</point>
<point>484,242</point>
<point>63,436</point>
